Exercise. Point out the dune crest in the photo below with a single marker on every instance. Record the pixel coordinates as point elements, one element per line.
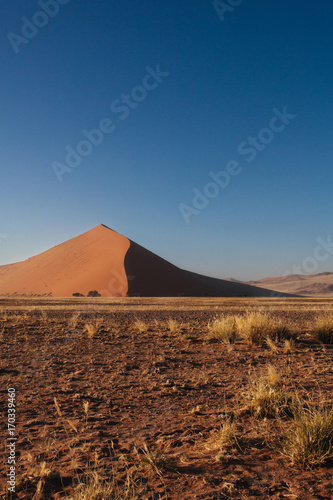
<point>92,261</point>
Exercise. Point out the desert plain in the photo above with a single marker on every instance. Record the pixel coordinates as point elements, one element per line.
<point>166,398</point>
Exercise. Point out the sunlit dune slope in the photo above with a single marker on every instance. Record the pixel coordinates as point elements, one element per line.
<point>92,261</point>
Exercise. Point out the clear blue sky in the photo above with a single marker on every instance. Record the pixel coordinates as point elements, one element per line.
<point>224,79</point>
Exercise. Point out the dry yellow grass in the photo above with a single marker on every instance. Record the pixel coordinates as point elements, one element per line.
<point>74,320</point>
<point>140,325</point>
<point>273,376</point>
<point>157,460</point>
<point>288,346</point>
<point>173,326</point>
<point>92,328</point>
<point>223,329</point>
<point>257,327</point>
<point>227,436</point>
<point>93,489</point>
<point>310,442</point>
<point>272,345</point>
<point>268,398</point>
<point>56,404</point>
<point>324,329</point>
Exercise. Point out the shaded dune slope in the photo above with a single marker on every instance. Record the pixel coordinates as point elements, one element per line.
<point>151,276</point>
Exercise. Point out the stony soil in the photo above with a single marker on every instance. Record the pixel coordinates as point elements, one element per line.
<point>121,392</point>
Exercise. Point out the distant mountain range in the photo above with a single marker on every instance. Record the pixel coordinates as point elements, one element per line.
<point>312,285</point>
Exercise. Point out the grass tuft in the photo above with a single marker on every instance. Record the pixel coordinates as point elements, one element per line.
<point>324,329</point>
<point>258,327</point>
<point>140,325</point>
<point>158,461</point>
<point>74,320</point>
<point>268,399</point>
<point>310,442</point>
<point>173,326</point>
<point>94,489</point>
<point>271,344</point>
<point>273,376</point>
<point>92,328</point>
<point>288,346</point>
<point>223,330</point>
<point>227,436</point>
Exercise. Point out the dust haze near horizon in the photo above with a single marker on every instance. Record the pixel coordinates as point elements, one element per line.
<point>201,132</point>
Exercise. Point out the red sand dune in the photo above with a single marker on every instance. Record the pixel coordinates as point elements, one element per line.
<point>104,260</point>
